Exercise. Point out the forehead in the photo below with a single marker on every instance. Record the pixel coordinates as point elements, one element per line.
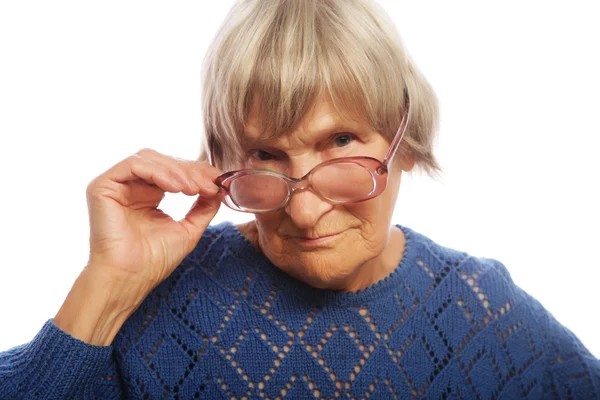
<point>321,115</point>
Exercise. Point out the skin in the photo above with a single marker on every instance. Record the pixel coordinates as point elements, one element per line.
<point>368,247</point>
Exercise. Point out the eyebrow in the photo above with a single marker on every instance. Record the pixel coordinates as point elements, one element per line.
<point>338,126</point>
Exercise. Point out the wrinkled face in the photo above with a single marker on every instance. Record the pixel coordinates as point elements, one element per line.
<point>352,237</point>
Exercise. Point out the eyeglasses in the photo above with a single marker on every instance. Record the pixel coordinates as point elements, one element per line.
<point>337,181</point>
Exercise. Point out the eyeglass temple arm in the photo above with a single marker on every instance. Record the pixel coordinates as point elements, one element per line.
<point>400,133</point>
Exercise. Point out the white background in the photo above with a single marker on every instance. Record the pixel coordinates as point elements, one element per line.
<point>85,84</point>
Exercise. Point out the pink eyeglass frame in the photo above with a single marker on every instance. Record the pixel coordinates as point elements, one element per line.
<point>378,170</point>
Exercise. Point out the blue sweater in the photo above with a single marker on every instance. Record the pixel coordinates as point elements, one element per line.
<point>229,324</point>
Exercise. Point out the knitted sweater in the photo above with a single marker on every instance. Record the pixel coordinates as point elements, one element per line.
<point>229,324</point>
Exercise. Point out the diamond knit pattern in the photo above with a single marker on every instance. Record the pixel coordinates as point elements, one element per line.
<point>228,324</point>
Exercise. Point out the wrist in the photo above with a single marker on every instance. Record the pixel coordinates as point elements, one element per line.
<point>97,306</point>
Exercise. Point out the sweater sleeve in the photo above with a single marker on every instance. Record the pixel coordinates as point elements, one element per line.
<point>572,372</point>
<point>55,365</point>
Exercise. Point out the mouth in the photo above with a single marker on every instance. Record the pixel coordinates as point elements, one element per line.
<point>305,241</point>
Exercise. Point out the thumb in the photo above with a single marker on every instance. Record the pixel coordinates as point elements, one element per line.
<point>199,216</point>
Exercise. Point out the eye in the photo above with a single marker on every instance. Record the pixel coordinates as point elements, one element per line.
<point>343,139</point>
<point>262,155</point>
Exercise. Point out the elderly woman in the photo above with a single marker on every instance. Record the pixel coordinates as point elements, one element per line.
<point>312,111</point>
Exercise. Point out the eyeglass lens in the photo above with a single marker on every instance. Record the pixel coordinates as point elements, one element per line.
<point>340,182</point>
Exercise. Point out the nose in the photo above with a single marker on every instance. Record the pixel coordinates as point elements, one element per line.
<point>300,167</point>
<point>305,208</point>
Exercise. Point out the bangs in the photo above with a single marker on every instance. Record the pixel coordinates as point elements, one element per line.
<point>281,99</point>
<point>277,57</point>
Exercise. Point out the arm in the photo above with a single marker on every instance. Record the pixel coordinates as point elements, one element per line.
<point>134,246</point>
<point>571,370</point>
<point>71,356</point>
<point>566,369</point>
<point>55,365</point>
<point>98,305</point>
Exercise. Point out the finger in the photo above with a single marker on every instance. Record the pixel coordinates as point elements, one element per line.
<point>173,167</point>
<point>184,169</point>
<point>136,167</point>
<point>139,194</point>
<point>207,172</point>
<point>199,172</point>
<point>212,172</point>
<point>200,175</point>
<point>199,216</point>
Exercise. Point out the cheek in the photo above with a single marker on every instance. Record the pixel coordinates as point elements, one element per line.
<point>375,217</point>
<point>375,213</point>
<point>268,225</point>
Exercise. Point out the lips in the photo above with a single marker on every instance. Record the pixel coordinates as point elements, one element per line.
<point>317,242</point>
<point>315,237</point>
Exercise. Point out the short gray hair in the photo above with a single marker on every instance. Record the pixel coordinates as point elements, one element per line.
<point>288,52</point>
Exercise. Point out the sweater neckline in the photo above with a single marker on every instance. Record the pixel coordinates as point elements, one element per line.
<point>379,290</point>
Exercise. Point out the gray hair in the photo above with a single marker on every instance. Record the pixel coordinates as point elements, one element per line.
<point>288,52</point>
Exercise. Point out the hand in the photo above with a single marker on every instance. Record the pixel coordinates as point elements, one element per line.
<point>131,239</point>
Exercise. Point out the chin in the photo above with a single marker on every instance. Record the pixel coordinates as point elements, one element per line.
<point>325,268</point>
